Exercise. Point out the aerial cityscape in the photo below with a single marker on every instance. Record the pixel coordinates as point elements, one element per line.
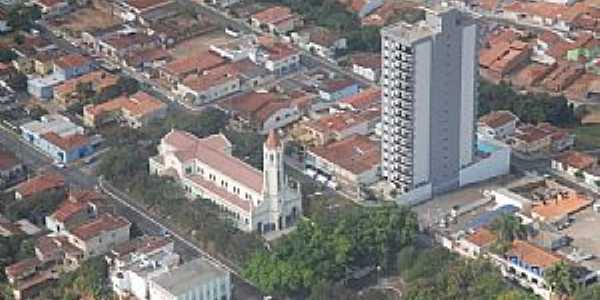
<point>299,149</point>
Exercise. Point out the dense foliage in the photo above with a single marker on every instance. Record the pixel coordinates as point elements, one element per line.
<point>435,273</point>
<point>321,251</point>
<point>333,15</point>
<point>89,281</point>
<point>531,108</point>
<point>125,165</point>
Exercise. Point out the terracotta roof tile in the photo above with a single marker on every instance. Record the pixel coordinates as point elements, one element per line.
<point>104,223</point>
<point>232,199</point>
<point>533,255</point>
<point>22,266</point>
<point>273,15</point>
<point>136,105</point>
<point>72,61</point>
<point>356,154</point>
<point>143,5</point>
<point>194,64</point>
<point>482,237</point>
<point>558,208</point>
<point>67,143</point>
<point>576,159</point>
<point>190,147</point>
<point>40,183</point>
<point>7,160</point>
<point>497,119</point>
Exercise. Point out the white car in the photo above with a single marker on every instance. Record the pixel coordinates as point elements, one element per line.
<point>59,165</point>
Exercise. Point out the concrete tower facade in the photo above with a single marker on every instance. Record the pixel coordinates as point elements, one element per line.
<point>430,80</point>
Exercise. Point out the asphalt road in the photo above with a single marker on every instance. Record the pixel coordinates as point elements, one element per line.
<point>124,206</point>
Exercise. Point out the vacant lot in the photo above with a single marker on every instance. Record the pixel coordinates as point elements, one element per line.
<point>200,43</point>
<point>95,16</point>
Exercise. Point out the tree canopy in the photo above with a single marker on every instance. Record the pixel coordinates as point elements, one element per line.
<point>321,251</point>
<point>530,108</point>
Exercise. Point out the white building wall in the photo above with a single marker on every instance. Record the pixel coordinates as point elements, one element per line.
<point>498,163</point>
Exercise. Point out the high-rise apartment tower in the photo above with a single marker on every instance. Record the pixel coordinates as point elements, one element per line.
<point>430,80</point>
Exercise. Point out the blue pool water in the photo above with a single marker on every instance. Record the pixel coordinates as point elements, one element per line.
<point>486,147</point>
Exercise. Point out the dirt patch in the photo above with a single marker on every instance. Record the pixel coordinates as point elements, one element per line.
<point>199,44</point>
<point>97,15</point>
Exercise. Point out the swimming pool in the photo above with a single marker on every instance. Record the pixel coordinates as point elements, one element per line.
<point>486,147</point>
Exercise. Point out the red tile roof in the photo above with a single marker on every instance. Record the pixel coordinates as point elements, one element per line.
<point>190,147</point>
<point>356,154</point>
<point>194,64</point>
<point>76,202</point>
<point>363,100</point>
<point>335,85</point>
<point>66,143</point>
<point>273,15</point>
<point>482,237</point>
<point>136,105</point>
<point>210,78</point>
<point>533,255</point>
<point>40,183</point>
<point>18,268</point>
<point>342,121</point>
<point>143,245</point>
<point>559,207</point>
<point>497,119</point>
<point>367,60</point>
<point>104,223</point>
<point>143,5</point>
<point>576,159</point>
<point>70,61</point>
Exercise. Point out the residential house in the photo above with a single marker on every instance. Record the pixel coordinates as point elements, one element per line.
<point>136,111</point>
<point>223,3</point>
<point>333,90</point>
<point>276,19</point>
<point>276,57</point>
<point>131,10</point>
<point>365,99</point>
<point>27,280</point>
<point>349,164</point>
<point>579,165</point>
<point>133,263</point>
<point>59,138</point>
<point>262,201</point>
<point>475,244</point>
<point>362,7</point>
<point>544,137</point>
<point>97,82</point>
<point>78,208</point>
<point>206,87</point>
<point>525,263</point>
<point>43,87</point>
<point>322,42</point>
<point>502,58</point>
<point>367,65</point>
<point>38,184</point>
<point>72,65</point>
<point>497,124</point>
<point>266,111</point>
<point>175,71</point>
<point>148,59</point>
<point>563,76</point>
<point>194,278</point>
<point>11,169</point>
<point>340,126</point>
<point>118,46</point>
<point>99,235</point>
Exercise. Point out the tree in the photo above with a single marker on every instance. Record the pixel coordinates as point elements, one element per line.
<point>7,55</point>
<point>509,228</point>
<point>329,250</point>
<point>517,295</point>
<point>21,17</point>
<point>561,279</point>
<point>588,292</point>
<point>579,174</point>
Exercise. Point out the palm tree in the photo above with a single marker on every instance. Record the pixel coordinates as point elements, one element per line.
<point>509,228</point>
<point>561,279</point>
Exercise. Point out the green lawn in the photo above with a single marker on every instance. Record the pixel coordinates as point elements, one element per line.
<point>587,137</point>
